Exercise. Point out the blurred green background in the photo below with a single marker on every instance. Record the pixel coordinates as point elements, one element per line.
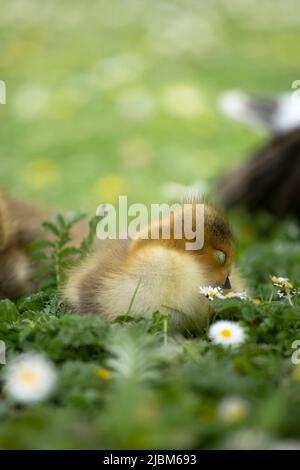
<point>120,97</point>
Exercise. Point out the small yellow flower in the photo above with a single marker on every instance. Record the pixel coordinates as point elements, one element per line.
<point>256,301</point>
<point>103,373</point>
<point>109,188</point>
<point>41,174</point>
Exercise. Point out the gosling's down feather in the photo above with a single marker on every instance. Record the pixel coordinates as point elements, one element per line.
<point>20,225</point>
<point>135,277</point>
<point>140,277</point>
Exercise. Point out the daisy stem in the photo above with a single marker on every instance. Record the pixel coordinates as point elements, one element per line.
<point>289,299</point>
<point>165,330</point>
<point>57,269</point>
<point>132,301</point>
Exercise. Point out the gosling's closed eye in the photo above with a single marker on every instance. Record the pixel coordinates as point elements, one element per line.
<point>220,257</point>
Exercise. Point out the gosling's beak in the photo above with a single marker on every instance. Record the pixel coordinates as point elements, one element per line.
<point>227,284</point>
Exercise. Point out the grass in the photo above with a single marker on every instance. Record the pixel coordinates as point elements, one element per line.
<point>92,112</point>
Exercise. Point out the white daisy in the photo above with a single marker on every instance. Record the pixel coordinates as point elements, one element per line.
<point>117,70</point>
<point>232,409</point>
<point>226,333</point>
<point>175,191</point>
<point>2,92</point>
<point>211,292</point>
<point>281,282</point>
<point>30,101</point>
<point>30,378</point>
<point>236,295</point>
<point>136,104</point>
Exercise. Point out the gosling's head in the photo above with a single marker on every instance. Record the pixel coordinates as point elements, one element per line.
<point>218,252</point>
<point>215,254</point>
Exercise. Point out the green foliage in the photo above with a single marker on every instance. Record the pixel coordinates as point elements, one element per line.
<point>56,255</point>
<point>8,311</point>
<point>88,241</point>
<point>133,384</point>
<point>133,353</point>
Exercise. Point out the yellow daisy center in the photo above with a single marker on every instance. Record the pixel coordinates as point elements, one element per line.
<point>226,333</point>
<point>28,376</point>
